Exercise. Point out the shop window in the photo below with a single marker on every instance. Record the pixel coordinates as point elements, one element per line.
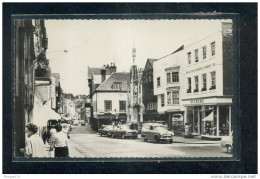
<point>151,105</point>
<point>108,105</point>
<point>158,82</point>
<point>189,57</point>
<point>175,97</point>
<point>189,85</point>
<point>213,48</point>
<point>148,106</point>
<point>213,80</point>
<point>196,55</point>
<point>196,80</point>
<point>204,52</point>
<point>162,100</point>
<point>169,98</point>
<point>204,82</point>
<point>175,76</point>
<point>122,105</point>
<point>168,77</point>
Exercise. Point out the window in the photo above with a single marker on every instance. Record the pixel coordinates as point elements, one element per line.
<point>151,106</point>
<point>189,85</point>
<point>189,57</point>
<point>204,52</point>
<point>162,100</point>
<point>122,105</point>
<point>213,48</point>
<point>196,55</point>
<point>158,82</point>
<point>175,97</point>
<point>117,86</point>
<point>108,105</point>
<point>204,82</point>
<point>169,98</point>
<point>175,76</point>
<point>168,77</point>
<point>213,80</point>
<point>196,80</point>
<point>150,78</point>
<point>148,106</point>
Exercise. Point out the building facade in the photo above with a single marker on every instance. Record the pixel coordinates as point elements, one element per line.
<point>149,99</point>
<point>30,40</point>
<point>208,82</point>
<point>168,87</point>
<point>109,100</point>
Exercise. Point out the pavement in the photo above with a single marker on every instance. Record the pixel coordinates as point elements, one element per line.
<point>194,140</point>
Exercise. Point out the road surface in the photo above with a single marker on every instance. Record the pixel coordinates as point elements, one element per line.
<point>84,142</point>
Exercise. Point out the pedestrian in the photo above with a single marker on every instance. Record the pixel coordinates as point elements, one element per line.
<point>60,143</point>
<point>34,146</point>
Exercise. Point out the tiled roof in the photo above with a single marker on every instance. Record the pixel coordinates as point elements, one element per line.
<point>96,71</point>
<point>121,77</point>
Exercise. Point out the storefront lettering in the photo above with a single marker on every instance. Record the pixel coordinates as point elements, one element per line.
<point>196,101</point>
<point>201,68</point>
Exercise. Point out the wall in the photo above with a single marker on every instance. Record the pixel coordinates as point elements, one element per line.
<point>115,97</point>
<point>211,63</point>
<point>174,60</point>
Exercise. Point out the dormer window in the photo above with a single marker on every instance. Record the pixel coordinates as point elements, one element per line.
<point>117,86</point>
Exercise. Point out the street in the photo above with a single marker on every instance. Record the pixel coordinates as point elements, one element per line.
<point>84,142</point>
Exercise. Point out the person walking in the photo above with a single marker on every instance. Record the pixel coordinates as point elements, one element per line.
<point>60,143</point>
<point>34,146</point>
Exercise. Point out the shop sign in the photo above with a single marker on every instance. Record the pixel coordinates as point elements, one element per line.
<point>197,101</point>
<point>106,116</point>
<point>201,68</point>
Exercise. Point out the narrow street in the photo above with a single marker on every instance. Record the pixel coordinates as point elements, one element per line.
<point>85,142</point>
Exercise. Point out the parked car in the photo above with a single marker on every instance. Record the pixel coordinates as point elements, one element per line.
<point>105,130</point>
<point>157,132</point>
<point>227,143</point>
<point>123,131</point>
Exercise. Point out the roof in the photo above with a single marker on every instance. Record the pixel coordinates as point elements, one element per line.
<point>121,77</point>
<point>97,71</point>
<point>152,60</point>
<point>179,49</point>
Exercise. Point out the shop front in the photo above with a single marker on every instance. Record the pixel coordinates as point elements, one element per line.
<point>176,121</point>
<point>209,116</point>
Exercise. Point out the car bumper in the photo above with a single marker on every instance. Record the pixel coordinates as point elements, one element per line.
<point>166,138</point>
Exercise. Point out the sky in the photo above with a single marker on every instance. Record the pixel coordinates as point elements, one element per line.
<point>95,43</point>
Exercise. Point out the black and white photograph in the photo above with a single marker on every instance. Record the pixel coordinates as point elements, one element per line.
<point>129,88</point>
<point>123,88</point>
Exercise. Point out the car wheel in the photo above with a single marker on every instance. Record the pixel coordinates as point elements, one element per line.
<point>145,138</point>
<point>229,149</point>
<point>156,139</point>
<point>112,136</point>
<point>123,136</point>
<point>100,134</point>
<point>170,141</point>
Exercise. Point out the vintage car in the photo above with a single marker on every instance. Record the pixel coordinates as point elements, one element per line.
<point>123,131</point>
<point>157,132</point>
<point>227,143</point>
<point>105,130</point>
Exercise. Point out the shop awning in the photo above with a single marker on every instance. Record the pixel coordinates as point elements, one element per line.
<point>42,113</point>
<point>209,117</point>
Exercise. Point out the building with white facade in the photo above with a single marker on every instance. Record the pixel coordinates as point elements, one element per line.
<point>207,77</point>
<point>168,87</point>
<point>110,100</point>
